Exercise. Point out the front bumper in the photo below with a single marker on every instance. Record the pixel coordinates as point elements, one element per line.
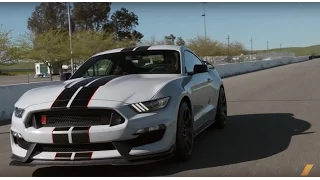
<point>100,144</point>
<point>133,160</point>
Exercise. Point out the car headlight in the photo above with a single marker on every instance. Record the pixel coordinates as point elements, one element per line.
<point>18,112</point>
<point>149,106</point>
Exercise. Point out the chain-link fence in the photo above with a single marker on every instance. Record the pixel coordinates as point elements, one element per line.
<point>245,58</point>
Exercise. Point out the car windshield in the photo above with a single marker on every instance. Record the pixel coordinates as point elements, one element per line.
<point>133,62</point>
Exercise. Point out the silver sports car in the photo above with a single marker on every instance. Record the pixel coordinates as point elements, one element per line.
<point>123,106</point>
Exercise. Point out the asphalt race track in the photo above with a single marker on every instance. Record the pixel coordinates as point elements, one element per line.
<point>273,123</point>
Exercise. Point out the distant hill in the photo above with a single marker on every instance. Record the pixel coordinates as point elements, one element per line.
<point>299,51</point>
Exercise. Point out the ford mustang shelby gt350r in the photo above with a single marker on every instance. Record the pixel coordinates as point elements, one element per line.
<point>122,106</point>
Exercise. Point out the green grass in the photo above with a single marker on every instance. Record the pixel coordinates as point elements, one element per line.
<point>22,73</point>
<point>14,73</point>
<point>22,65</point>
<point>17,69</point>
<point>299,51</point>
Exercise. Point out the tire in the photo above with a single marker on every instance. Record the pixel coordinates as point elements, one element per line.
<point>222,111</point>
<point>184,133</point>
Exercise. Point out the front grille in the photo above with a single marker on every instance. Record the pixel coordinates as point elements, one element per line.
<point>66,121</point>
<point>75,147</point>
<point>68,118</point>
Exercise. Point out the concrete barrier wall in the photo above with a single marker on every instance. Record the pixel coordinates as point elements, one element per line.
<point>11,93</point>
<point>232,69</point>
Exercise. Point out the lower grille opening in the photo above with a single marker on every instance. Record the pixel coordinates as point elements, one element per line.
<point>21,143</point>
<point>147,138</point>
<point>75,147</point>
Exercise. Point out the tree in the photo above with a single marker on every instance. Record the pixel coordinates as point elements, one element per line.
<point>48,15</point>
<point>236,48</point>
<point>4,46</point>
<point>153,41</point>
<point>180,42</point>
<point>206,46</point>
<point>170,39</point>
<point>123,23</point>
<point>87,43</point>
<point>91,15</point>
<point>9,51</point>
<point>50,47</point>
<point>135,35</point>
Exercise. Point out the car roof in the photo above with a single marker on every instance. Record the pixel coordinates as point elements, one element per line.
<point>154,47</point>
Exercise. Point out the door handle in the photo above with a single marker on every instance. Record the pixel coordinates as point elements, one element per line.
<point>209,80</point>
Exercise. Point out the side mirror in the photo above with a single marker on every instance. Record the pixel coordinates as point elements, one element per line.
<point>208,64</point>
<point>65,76</point>
<point>200,68</point>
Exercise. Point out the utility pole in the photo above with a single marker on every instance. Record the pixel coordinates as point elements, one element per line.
<point>70,38</point>
<point>267,46</point>
<point>280,46</point>
<point>251,49</point>
<point>228,45</point>
<point>204,21</point>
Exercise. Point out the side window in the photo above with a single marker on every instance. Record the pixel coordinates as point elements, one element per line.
<point>190,60</point>
<point>100,68</point>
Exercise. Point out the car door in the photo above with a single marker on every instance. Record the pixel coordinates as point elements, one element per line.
<point>214,88</point>
<point>199,89</point>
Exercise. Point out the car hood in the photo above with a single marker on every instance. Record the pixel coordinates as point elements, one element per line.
<point>126,89</point>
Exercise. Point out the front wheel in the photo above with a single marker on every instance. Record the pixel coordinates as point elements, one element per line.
<point>222,111</point>
<point>184,133</point>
